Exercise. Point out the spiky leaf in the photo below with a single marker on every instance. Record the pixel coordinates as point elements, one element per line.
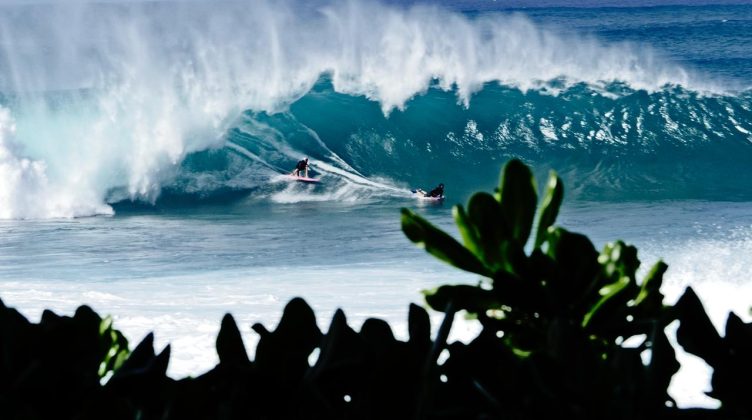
<point>230,348</point>
<point>696,334</point>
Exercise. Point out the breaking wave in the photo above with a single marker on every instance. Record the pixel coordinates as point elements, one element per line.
<point>109,102</point>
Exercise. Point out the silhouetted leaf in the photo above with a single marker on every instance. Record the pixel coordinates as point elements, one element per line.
<point>282,355</point>
<point>298,325</point>
<point>463,297</point>
<point>731,373</point>
<point>650,297</point>
<point>418,325</point>
<point>230,347</point>
<point>738,336</point>
<point>340,341</point>
<point>576,266</point>
<point>377,333</point>
<point>662,367</point>
<point>49,317</point>
<point>140,357</point>
<point>696,333</point>
<point>159,366</point>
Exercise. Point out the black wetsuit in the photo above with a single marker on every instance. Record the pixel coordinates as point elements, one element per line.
<point>436,192</point>
<point>301,165</point>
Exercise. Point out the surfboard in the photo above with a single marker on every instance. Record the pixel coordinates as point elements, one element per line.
<point>304,179</point>
<point>420,196</point>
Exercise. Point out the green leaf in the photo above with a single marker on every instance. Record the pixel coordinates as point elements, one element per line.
<point>468,230</point>
<point>440,244</point>
<point>486,215</point>
<point>619,259</point>
<point>518,197</point>
<point>650,294</point>
<point>608,293</point>
<point>105,325</point>
<point>116,346</point>
<point>515,261</point>
<point>549,207</point>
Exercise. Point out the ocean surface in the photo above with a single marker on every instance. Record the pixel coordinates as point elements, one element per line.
<point>143,147</point>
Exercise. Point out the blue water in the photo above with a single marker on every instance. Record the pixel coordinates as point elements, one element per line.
<point>141,157</point>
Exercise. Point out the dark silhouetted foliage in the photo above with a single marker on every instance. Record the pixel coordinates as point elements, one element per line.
<point>555,316</point>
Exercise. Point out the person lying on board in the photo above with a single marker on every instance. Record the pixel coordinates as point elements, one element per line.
<point>436,192</point>
<point>301,166</point>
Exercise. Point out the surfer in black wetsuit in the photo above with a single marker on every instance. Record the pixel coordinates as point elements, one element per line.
<point>436,192</point>
<point>301,166</point>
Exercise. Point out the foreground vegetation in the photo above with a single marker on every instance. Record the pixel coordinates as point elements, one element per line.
<point>555,314</point>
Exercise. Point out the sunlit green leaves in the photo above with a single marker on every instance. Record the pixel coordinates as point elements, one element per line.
<point>440,244</point>
<point>549,207</point>
<point>518,197</point>
<point>116,344</point>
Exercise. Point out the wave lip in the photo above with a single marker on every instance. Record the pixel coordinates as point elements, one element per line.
<point>406,52</point>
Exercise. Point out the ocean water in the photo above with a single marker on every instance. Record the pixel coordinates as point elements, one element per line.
<point>142,146</point>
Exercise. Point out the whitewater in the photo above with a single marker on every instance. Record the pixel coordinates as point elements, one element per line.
<point>143,147</point>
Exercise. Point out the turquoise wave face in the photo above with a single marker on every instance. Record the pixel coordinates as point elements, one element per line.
<point>609,144</point>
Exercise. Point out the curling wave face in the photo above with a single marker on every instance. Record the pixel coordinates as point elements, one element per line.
<point>109,102</point>
<point>669,144</point>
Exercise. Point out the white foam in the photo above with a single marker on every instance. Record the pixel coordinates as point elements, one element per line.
<point>27,192</point>
<point>717,271</point>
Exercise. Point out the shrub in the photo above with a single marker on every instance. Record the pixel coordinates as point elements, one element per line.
<point>556,318</point>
